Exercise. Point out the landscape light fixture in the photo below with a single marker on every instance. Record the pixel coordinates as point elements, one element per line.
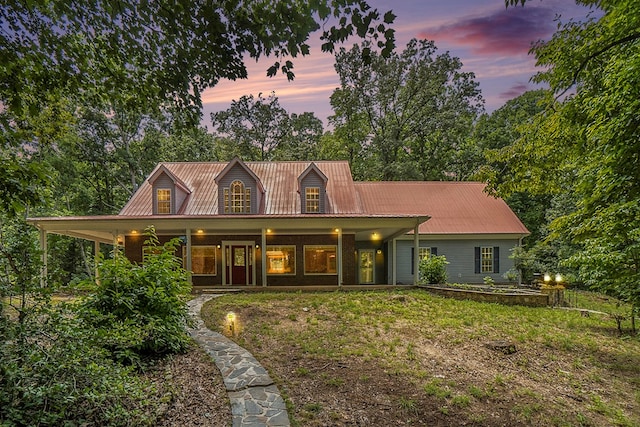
<point>231,320</point>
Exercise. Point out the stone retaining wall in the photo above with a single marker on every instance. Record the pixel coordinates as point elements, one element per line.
<point>506,298</point>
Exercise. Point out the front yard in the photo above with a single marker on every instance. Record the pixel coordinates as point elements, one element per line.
<point>410,358</point>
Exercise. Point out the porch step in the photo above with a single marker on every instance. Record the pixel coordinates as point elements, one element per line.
<point>209,291</point>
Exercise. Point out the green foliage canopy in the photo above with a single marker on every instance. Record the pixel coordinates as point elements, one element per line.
<point>587,142</point>
<point>408,115</point>
<point>261,129</point>
<point>162,51</point>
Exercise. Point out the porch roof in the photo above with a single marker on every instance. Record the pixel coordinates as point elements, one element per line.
<point>105,228</point>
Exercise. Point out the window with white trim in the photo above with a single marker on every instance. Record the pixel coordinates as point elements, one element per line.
<point>163,201</point>
<point>486,259</point>
<point>203,260</point>
<point>424,253</point>
<point>281,260</point>
<point>312,199</point>
<point>237,198</point>
<point>320,260</point>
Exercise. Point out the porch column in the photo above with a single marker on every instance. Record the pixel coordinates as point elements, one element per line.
<point>188,263</point>
<point>416,254</point>
<point>263,257</point>
<point>116,247</point>
<point>44,248</point>
<point>96,259</point>
<point>394,268</point>
<point>339,260</point>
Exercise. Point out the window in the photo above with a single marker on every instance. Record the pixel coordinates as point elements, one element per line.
<point>237,198</point>
<point>423,253</point>
<point>203,260</point>
<point>163,200</point>
<point>281,260</point>
<point>487,259</point>
<point>312,198</point>
<point>320,260</point>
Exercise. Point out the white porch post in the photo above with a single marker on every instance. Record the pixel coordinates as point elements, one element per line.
<point>96,259</point>
<point>44,249</point>
<point>116,248</point>
<point>394,268</point>
<point>188,263</point>
<point>339,257</point>
<point>263,257</point>
<point>416,254</point>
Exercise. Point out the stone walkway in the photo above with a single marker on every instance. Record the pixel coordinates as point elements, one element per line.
<point>255,400</point>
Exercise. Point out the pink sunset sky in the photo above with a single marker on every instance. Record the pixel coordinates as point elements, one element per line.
<point>492,41</point>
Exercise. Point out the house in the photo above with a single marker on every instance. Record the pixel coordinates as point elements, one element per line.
<point>306,223</point>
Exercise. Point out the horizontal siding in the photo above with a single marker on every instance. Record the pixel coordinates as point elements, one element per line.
<point>460,255</point>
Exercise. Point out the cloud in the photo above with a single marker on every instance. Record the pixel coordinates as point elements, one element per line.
<point>514,91</point>
<point>506,32</point>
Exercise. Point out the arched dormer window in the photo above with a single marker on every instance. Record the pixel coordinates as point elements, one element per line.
<point>237,198</point>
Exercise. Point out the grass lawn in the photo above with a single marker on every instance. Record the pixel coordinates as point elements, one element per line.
<point>411,358</point>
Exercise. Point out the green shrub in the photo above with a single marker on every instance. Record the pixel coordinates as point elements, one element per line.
<point>141,309</point>
<point>62,376</point>
<point>433,270</point>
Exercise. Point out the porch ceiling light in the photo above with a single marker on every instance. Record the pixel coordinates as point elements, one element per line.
<point>134,231</point>
<point>200,231</point>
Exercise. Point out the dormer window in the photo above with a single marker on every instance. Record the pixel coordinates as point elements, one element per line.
<point>312,199</point>
<point>237,198</point>
<point>312,187</point>
<point>169,193</point>
<point>163,201</point>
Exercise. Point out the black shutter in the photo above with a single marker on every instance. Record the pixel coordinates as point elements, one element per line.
<point>496,259</point>
<point>434,251</point>
<point>477,259</point>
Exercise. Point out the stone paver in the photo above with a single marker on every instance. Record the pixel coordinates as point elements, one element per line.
<point>255,400</point>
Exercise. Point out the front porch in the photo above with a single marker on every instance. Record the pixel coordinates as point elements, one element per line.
<point>249,251</point>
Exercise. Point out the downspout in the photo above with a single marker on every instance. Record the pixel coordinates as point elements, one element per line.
<point>339,257</point>
<point>416,254</point>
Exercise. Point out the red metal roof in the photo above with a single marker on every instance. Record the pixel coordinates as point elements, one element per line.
<point>279,179</point>
<point>454,207</point>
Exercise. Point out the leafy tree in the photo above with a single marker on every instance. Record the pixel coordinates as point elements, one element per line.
<point>149,57</point>
<point>302,139</point>
<point>492,133</point>
<point>261,129</point>
<point>587,142</point>
<point>253,126</point>
<point>412,110</point>
<point>184,145</point>
<point>158,52</point>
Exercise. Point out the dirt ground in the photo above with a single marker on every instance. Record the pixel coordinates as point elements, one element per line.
<point>439,383</point>
<point>436,383</point>
<point>194,394</point>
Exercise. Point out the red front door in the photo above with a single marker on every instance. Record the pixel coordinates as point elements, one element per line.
<point>239,265</point>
